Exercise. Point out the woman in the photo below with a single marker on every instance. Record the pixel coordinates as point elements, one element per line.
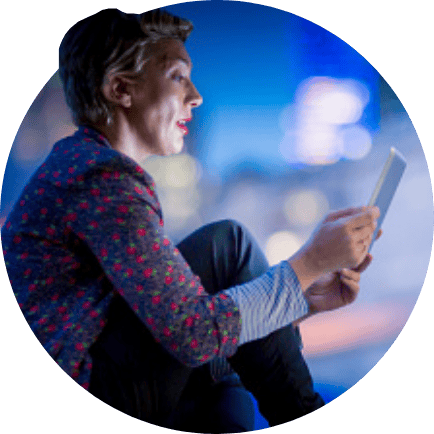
<point>105,291</point>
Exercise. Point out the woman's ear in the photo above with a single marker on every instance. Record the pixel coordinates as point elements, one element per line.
<point>117,90</point>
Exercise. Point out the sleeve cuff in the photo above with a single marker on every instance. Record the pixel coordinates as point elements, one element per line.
<point>269,302</point>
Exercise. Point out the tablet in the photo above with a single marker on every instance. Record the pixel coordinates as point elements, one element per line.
<point>387,185</point>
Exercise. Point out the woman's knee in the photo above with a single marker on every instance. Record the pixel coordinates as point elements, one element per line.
<point>228,227</point>
<point>223,254</point>
<point>234,242</point>
<point>231,233</point>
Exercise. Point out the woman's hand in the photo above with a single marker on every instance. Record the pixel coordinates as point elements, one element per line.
<point>343,238</point>
<point>341,241</point>
<point>336,289</point>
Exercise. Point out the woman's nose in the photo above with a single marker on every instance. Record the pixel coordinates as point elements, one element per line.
<point>195,98</point>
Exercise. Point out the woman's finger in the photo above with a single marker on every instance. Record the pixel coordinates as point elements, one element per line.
<point>350,289</point>
<point>350,274</point>
<point>364,218</point>
<point>335,215</point>
<point>364,233</point>
<point>364,264</point>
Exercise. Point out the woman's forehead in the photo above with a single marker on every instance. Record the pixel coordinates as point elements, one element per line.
<point>167,51</point>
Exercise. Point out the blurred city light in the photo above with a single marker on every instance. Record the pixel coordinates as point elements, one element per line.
<point>182,171</point>
<point>357,142</point>
<point>321,128</point>
<point>281,245</point>
<point>176,178</point>
<point>318,144</point>
<point>331,101</point>
<point>176,171</point>
<point>306,207</point>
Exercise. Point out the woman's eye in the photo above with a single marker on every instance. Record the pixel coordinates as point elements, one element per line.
<point>178,77</point>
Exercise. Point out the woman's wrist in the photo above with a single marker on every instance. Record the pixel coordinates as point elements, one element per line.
<point>305,268</point>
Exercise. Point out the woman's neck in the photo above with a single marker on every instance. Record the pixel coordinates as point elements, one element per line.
<point>123,139</point>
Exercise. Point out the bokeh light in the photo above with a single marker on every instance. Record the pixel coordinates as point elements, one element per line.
<point>305,207</point>
<point>318,144</point>
<point>177,180</point>
<point>357,142</point>
<point>176,171</point>
<point>282,245</point>
<point>331,101</point>
<point>322,127</point>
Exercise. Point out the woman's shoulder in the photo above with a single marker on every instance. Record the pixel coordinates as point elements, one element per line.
<point>87,155</point>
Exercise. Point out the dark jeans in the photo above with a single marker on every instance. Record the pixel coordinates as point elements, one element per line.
<point>134,374</point>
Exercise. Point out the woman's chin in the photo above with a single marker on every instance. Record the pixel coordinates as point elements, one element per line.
<point>175,149</point>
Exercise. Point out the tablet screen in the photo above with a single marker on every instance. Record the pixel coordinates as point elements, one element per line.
<point>387,185</point>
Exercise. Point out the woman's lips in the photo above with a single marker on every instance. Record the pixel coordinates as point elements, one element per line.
<point>181,124</point>
<point>183,127</point>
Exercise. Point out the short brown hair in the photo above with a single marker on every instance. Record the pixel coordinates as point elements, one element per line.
<point>109,41</point>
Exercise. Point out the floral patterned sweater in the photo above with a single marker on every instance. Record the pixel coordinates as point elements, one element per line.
<point>88,225</point>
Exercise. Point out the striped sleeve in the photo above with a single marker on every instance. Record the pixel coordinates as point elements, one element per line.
<point>269,302</point>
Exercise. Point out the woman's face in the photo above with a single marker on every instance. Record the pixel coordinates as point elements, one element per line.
<point>162,100</point>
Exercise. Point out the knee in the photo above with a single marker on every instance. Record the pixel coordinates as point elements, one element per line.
<point>230,229</point>
<point>227,224</point>
<point>232,238</point>
<point>236,252</point>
